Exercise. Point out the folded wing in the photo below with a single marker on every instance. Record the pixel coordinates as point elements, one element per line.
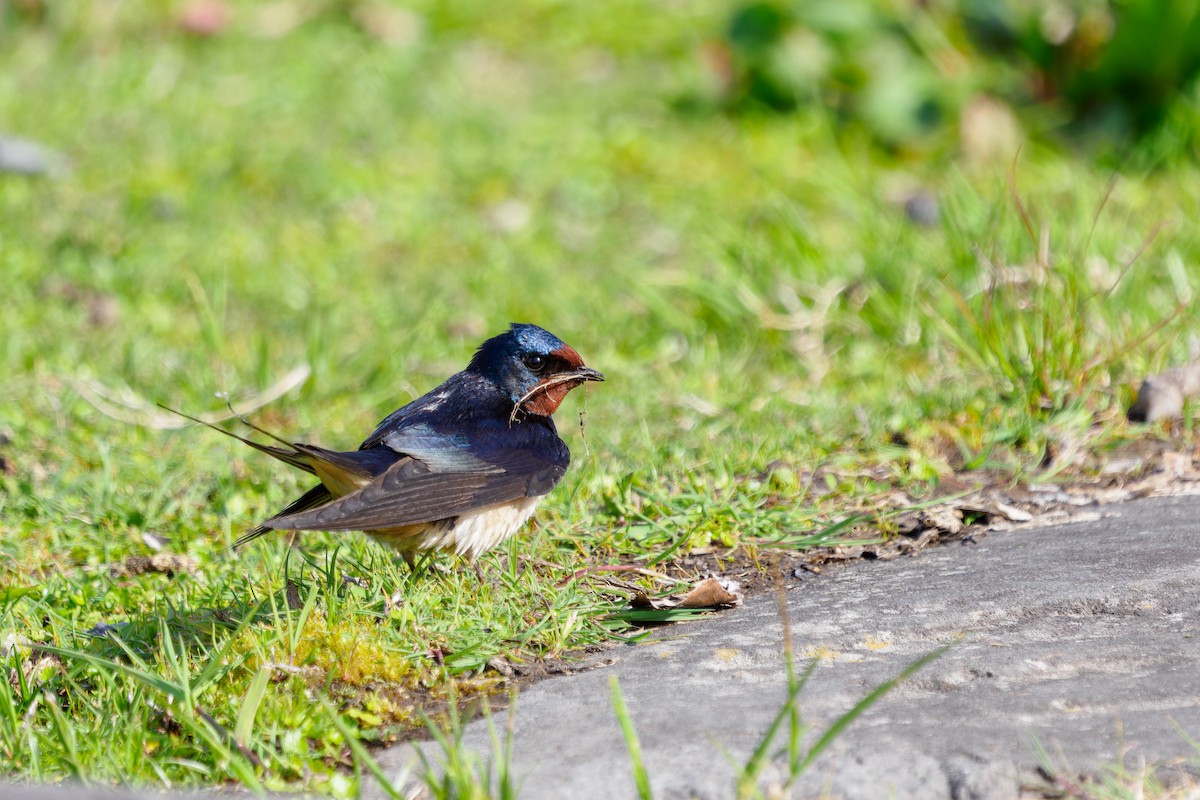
<point>410,492</point>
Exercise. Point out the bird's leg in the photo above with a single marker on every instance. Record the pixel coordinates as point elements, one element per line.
<point>419,564</point>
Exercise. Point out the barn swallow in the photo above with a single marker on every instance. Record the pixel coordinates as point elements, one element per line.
<point>459,469</point>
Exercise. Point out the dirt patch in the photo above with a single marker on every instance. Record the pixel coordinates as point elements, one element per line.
<point>975,503</point>
<point>169,564</point>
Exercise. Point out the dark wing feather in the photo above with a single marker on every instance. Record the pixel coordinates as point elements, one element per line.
<point>409,493</point>
<point>369,463</point>
<point>313,498</point>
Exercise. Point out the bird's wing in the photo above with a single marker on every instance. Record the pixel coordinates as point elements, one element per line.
<point>359,463</point>
<point>442,451</point>
<point>410,492</point>
<point>453,392</point>
<point>335,469</point>
<point>315,497</point>
<point>355,466</point>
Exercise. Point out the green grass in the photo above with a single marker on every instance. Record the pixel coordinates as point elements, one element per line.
<point>783,348</point>
<point>1122,778</point>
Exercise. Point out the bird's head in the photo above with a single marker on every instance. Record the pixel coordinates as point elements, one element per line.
<point>533,367</point>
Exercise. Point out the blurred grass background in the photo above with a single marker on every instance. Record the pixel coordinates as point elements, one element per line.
<point>787,233</point>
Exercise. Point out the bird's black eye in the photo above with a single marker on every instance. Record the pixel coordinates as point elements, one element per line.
<point>534,362</point>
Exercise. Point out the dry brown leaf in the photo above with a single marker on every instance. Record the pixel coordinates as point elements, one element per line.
<point>642,600</point>
<point>709,593</point>
<point>995,507</point>
<point>291,593</point>
<point>942,518</point>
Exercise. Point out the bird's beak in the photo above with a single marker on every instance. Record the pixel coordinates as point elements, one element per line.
<point>587,374</point>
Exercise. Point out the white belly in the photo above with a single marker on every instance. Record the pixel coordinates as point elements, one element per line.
<point>471,535</point>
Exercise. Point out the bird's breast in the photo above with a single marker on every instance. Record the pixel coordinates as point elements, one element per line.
<point>478,531</point>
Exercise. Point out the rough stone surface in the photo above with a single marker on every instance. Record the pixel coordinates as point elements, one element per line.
<point>25,157</point>
<point>1081,640</point>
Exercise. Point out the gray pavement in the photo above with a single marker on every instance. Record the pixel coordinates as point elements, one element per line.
<point>1083,637</point>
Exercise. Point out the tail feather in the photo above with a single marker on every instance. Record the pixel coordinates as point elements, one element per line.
<point>314,497</point>
<point>287,454</point>
<point>339,472</point>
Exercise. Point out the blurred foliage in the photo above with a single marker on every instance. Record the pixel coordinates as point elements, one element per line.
<point>859,57</point>
<point>1116,67</point>
<point>1106,72</point>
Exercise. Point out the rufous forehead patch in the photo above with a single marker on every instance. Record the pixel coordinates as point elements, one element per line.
<point>568,354</point>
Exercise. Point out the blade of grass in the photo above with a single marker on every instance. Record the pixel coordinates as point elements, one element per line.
<point>876,694</point>
<point>66,737</point>
<point>161,685</point>
<point>641,778</point>
<point>749,773</point>
<point>361,754</point>
<point>250,704</point>
<point>641,616</point>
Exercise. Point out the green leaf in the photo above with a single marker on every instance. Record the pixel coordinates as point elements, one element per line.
<point>10,594</point>
<point>643,615</point>
<point>253,699</point>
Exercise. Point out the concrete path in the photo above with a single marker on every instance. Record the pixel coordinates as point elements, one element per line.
<point>1084,638</point>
